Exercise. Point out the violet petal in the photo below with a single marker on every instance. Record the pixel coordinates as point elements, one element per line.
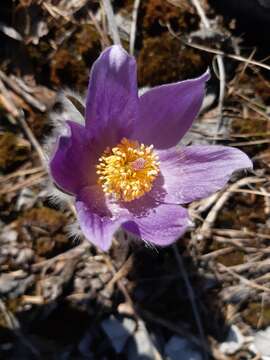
<point>70,165</point>
<point>98,218</point>
<point>112,99</point>
<point>156,223</point>
<point>167,112</point>
<point>194,172</point>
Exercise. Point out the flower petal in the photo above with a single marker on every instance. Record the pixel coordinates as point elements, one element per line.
<point>98,219</point>
<point>166,112</point>
<point>194,172</point>
<point>70,165</point>
<point>112,98</point>
<point>159,224</point>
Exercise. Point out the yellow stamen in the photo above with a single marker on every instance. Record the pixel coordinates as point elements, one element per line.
<point>128,170</point>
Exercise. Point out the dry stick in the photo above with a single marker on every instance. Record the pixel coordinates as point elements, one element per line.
<point>72,253</point>
<point>212,215</point>
<point>248,282</point>
<point>255,192</point>
<point>246,64</point>
<point>7,101</point>
<point>230,56</point>
<point>27,97</point>
<point>33,180</point>
<point>253,142</point>
<point>220,63</point>
<point>104,38</point>
<point>216,253</point>
<point>122,287</point>
<point>122,272</point>
<point>32,139</point>
<point>21,173</point>
<point>111,21</point>
<point>133,27</point>
<point>253,106</point>
<point>191,296</point>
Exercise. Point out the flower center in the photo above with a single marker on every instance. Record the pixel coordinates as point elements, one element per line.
<point>128,170</point>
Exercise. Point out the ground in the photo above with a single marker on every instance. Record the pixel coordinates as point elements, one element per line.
<point>61,298</point>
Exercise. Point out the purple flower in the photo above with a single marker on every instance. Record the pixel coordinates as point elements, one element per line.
<point>123,166</point>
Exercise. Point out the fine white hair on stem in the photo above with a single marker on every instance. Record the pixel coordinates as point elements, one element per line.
<point>74,232</point>
<point>71,107</point>
<point>57,197</point>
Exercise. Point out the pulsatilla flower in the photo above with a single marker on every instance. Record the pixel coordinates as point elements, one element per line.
<point>123,165</point>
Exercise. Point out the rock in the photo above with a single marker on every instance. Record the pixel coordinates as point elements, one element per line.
<point>141,345</point>
<point>180,348</point>
<point>262,342</point>
<point>233,342</point>
<point>118,331</point>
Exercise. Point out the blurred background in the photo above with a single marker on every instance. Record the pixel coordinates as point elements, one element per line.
<point>206,298</point>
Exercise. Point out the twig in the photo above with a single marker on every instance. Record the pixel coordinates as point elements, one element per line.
<point>254,106</point>
<point>217,253</point>
<point>33,180</point>
<point>123,271</point>
<point>212,215</point>
<point>248,143</point>
<point>255,192</point>
<point>228,55</point>
<point>32,139</point>
<point>191,296</point>
<point>7,101</point>
<point>74,252</point>
<point>27,97</point>
<point>122,287</point>
<point>111,21</point>
<point>104,38</point>
<point>244,280</point>
<point>133,27</point>
<point>22,172</point>
<point>256,266</point>
<point>220,63</point>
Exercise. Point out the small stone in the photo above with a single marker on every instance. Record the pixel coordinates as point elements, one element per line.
<point>233,342</point>
<point>118,331</point>
<point>141,345</point>
<point>180,348</point>
<point>262,341</point>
